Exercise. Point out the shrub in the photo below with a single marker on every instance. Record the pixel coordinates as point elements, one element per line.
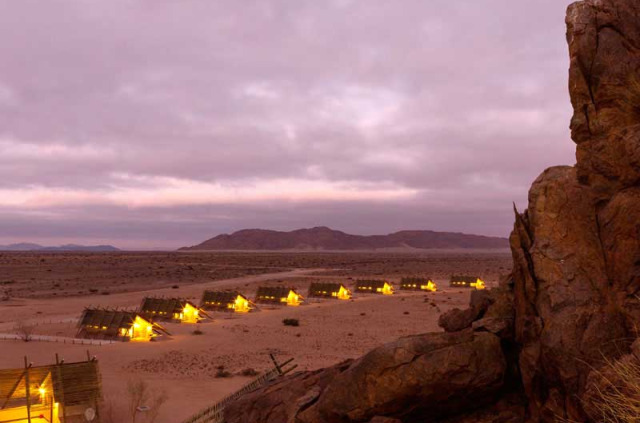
<point>617,399</point>
<point>291,322</point>
<point>249,372</point>
<point>198,331</point>
<point>175,286</point>
<point>222,372</point>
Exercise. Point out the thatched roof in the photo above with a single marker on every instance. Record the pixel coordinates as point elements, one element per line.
<point>320,287</point>
<point>113,320</point>
<point>222,297</point>
<point>467,279</point>
<point>72,383</point>
<point>373,283</point>
<point>273,294</point>
<point>163,306</point>
<point>416,280</point>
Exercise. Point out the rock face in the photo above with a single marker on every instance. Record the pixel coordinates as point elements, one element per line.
<point>413,379</point>
<point>576,249</point>
<point>571,312</point>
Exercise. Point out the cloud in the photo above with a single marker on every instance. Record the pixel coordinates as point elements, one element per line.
<point>167,107</point>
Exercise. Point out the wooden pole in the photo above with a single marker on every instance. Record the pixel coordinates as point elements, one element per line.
<point>27,390</point>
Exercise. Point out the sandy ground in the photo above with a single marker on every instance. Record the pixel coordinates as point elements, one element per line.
<point>185,365</point>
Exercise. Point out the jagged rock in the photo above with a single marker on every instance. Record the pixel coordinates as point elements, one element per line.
<point>456,320</point>
<point>415,379</point>
<point>604,46</point>
<point>577,247</point>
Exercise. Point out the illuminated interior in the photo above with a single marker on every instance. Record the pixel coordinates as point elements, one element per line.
<point>343,293</point>
<point>141,330</point>
<point>293,299</point>
<point>386,289</point>
<point>429,286</point>
<point>43,407</point>
<point>190,314</point>
<point>241,305</point>
<point>479,284</point>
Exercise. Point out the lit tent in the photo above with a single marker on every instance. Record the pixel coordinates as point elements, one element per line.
<point>278,295</point>
<point>171,310</point>
<point>96,323</point>
<point>225,301</point>
<point>418,284</point>
<point>329,290</point>
<point>60,393</point>
<point>467,282</point>
<point>374,287</point>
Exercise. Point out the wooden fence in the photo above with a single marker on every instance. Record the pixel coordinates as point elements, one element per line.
<point>215,413</point>
<point>58,339</point>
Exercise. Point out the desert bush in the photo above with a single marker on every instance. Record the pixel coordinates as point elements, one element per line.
<point>222,372</point>
<point>175,286</point>
<point>291,322</point>
<point>249,372</point>
<point>198,331</point>
<point>24,330</point>
<point>139,395</point>
<point>617,396</point>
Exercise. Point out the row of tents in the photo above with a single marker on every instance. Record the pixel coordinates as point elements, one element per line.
<point>145,323</point>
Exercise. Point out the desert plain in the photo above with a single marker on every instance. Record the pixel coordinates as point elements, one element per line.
<point>50,290</point>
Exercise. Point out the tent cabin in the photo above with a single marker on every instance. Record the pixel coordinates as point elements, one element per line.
<point>329,290</point>
<point>59,393</point>
<point>374,287</point>
<point>225,301</point>
<point>170,310</point>
<point>467,282</point>
<point>97,323</point>
<point>278,295</point>
<point>418,284</point>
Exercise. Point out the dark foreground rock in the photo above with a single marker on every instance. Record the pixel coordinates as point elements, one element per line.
<point>415,378</point>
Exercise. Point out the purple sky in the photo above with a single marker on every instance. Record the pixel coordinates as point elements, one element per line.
<point>160,123</point>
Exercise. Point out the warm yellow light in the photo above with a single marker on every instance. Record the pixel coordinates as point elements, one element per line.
<point>42,391</point>
<point>430,286</point>
<point>292,299</point>
<point>479,284</point>
<point>344,293</point>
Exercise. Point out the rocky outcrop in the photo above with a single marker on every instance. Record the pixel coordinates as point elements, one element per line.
<point>416,378</point>
<point>576,249</point>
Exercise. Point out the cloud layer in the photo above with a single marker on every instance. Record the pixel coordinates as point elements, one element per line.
<point>161,123</point>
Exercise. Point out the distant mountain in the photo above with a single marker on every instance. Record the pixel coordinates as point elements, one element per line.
<point>24,246</point>
<point>323,238</point>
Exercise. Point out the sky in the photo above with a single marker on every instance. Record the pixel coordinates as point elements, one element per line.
<point>154,124</point>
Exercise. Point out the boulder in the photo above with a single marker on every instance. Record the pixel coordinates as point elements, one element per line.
<point>415,379</point>
<point>456,320</point>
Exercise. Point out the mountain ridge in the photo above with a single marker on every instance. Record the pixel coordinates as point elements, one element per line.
<point>322,238</point>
